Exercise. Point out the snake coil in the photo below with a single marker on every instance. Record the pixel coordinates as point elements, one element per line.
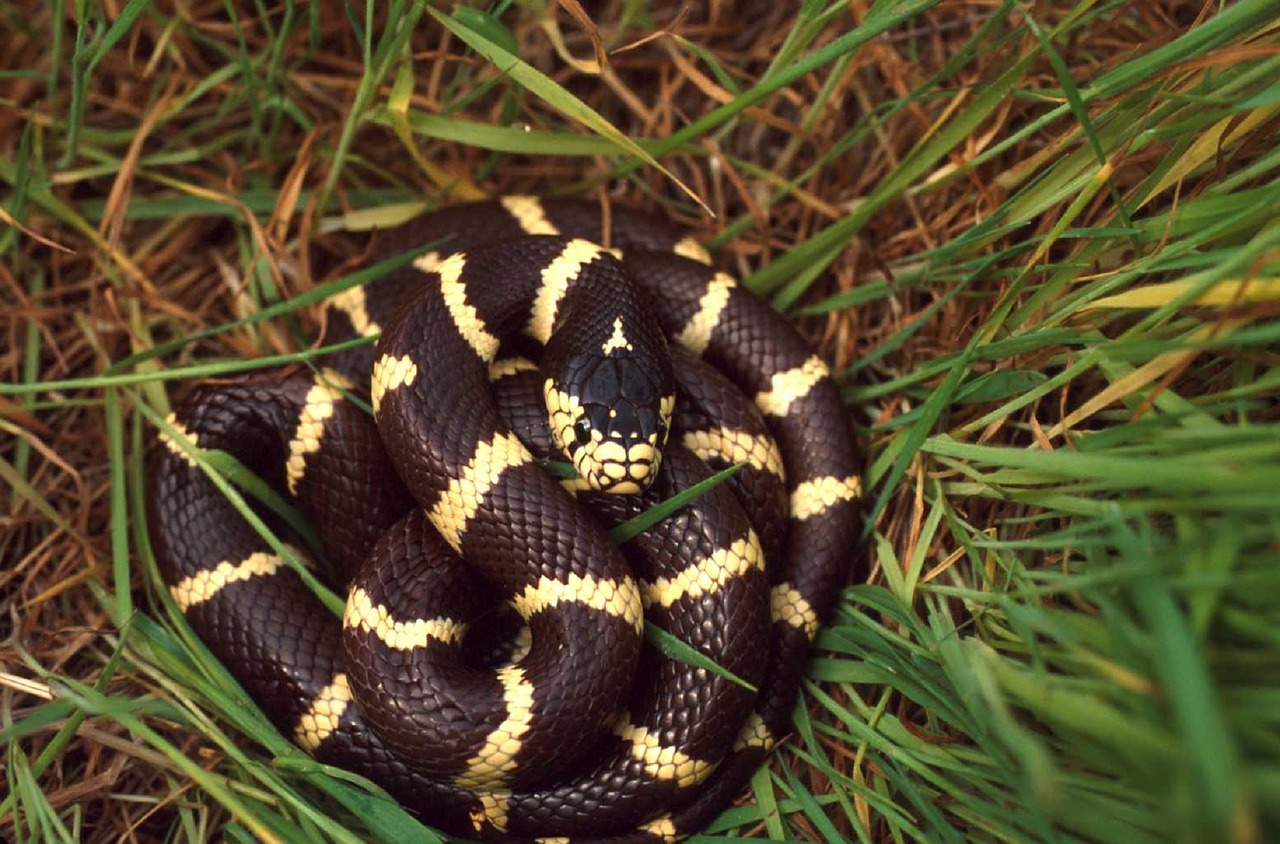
<point>490,670</point>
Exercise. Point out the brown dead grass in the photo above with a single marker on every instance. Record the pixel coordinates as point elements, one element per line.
<point>106,280</point>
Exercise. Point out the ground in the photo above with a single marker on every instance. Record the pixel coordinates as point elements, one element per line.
<point>1038,243</point>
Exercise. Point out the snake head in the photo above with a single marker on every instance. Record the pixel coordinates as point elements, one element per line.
<point>610,411</point>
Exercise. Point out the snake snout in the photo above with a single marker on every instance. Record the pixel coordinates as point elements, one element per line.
<point>613,425</point>
<point>620,448</point>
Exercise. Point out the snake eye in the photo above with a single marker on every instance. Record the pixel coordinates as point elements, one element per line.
<point>582,431</point>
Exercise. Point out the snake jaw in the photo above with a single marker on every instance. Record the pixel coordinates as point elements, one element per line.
<point>613,468</point>
<point>615,464</point>
<point>605,444</point>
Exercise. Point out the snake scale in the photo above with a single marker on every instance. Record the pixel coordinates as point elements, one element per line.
<point>490,671</point>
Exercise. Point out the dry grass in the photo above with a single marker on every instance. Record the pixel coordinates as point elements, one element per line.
<point>219,157</point>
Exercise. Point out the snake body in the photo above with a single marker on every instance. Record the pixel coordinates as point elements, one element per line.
<point>489,671</point>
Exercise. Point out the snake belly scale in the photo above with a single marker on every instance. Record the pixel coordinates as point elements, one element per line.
<point>490,670</point>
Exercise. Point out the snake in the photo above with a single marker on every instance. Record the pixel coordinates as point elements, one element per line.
<point>536,378</point>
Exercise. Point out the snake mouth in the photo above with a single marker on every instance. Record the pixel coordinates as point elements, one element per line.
<point>617,471</point>
<point>622,478</point>
<point>615,449</point>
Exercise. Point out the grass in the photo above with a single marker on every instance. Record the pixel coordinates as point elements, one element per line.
<point>1039,242</point>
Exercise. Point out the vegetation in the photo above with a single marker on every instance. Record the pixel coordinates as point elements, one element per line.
<point>1039,241</point>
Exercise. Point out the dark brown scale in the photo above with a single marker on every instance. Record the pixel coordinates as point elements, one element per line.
<point>528,529</point>
<point>460,228</point>
<point>409,701</point>
<point>355,495</point>
<point>685,707</point>
<point>281,643</point>
<point>688,708</point>
<point>284,647</point>
<point>750,344</point>
<point>705,399</point>
<point>463,227</point>
<point>708,399</point>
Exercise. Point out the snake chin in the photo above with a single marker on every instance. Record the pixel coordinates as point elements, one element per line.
<point>612,423</point>
<point>623,472</point>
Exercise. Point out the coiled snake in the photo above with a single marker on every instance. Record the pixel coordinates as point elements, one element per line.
<point>509,696</point>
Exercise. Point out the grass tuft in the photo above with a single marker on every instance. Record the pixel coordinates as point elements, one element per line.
<point>1039,242</point>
